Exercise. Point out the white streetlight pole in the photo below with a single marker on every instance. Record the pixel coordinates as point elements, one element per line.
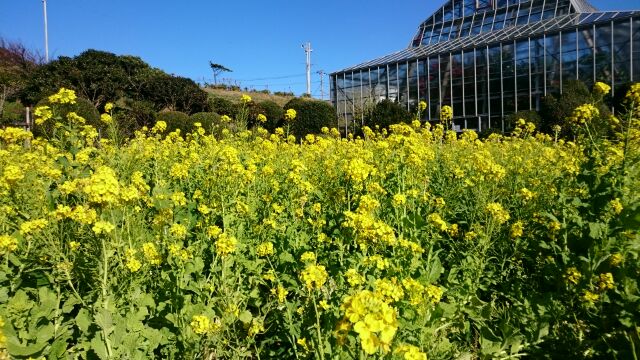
<point>46,32</point>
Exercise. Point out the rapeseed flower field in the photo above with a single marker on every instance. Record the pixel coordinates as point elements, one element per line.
<point>409,243</point>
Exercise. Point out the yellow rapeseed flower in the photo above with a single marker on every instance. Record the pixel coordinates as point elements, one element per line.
<point>290,115</point>
<point>7,244</point>
<point>572,275</point>
<point>499,214</point>
<point>226,244</point>
<point>265,249</point>
<point>63,96</point>
<point>601,88</point>
<point>314,276</point>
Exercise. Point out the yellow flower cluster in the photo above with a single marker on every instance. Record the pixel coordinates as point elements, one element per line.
<point>590,298</point>
<point>102,187</point>
<point>262,118</point>
<point>605,282</point>
<point>131,262</point>
<point>422,106</point>
<point>245,99</point>
<point>202,324</point>
<point>374,320</point>
<point>12,174</point>
<point>389,290</point>
<point>281,293</point>
<point>616,259</point>
<point>437,221</point>
<point>226,244</point>
<point>290,115</point>
<point>369,230</point>
<point>63,96</point>
<point>33,226</point>
<point>103,227</point>
<point>584,114</point>
<point>410,352</point>
<point>354,278</point>
<point>499,214</point>
<point>314,276</point>
<point>601,88</point>
<point>446,113</point>
<point>572,275</point>
<point>151,254</point>
<point>178,231</point>
<point>616,206</point>
<point>517,229</point>
<point>42,114</point>
<point>308,257</point>
<point>7,244</point>
<point>265,249</point>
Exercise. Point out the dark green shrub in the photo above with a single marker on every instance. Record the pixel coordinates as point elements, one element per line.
<point>273,112</point>
<point>556,109</point>
<point>175,93</point>
<point>139,113</point>
<point>312,116</point>
<point>82,107</point>
<point>386,113</point>
<point>12,112</point>
<point>176,120</point>
<point>223,106</point>
<point>210,121</point>
<point>530,116</point>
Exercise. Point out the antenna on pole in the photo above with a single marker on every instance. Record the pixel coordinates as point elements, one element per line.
<point>46,32</point>
<point>308,50</point>
<point>321,73</point>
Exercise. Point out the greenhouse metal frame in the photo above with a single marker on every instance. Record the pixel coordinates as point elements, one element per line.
<point>491,58</point>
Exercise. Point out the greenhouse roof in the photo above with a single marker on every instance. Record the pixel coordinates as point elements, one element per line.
<point>551,25</point>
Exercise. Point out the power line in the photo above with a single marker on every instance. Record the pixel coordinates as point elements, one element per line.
<point>271,78</point>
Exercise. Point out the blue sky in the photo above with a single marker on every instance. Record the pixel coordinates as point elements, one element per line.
<point>259,40</point>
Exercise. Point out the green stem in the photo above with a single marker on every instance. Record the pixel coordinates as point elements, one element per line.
<point>105,300</point>
<point>320,346</point>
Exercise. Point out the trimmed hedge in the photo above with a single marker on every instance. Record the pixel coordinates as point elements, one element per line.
<point>386,113</point>
<point>270,109</point>
<point>223,106</point>
<point>312,116</point>
<point>210,121</point>
<point>176,120</point>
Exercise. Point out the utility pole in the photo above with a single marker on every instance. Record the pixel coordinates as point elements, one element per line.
<point>46,32</point>
<point>308,50</point>
<point>321,73</point>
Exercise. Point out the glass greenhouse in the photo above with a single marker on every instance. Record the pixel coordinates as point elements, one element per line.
<point>490,58</point>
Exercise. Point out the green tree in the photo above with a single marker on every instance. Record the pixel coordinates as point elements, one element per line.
<point>217,69</point>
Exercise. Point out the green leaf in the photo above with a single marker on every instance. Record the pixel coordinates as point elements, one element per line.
<point>286,257</point>
<point>596,230</point>
<point>245,317</point>
<point>83,320</point>
<point>99,347</point>
<point>104,320</point>
<point>17,349</point>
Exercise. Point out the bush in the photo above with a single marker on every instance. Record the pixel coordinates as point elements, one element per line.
<point>530,116</point>
<point>556,109</point>
<point>176,120</point>
<point>312,116</point>
<point>140,113</point>
<point>210,121</point>
<point>273,112</point>
<point>12,112</point>
<point>175,93</point>
<point>386,113</point>
<point>82,107</point>
<point>223,106</point>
